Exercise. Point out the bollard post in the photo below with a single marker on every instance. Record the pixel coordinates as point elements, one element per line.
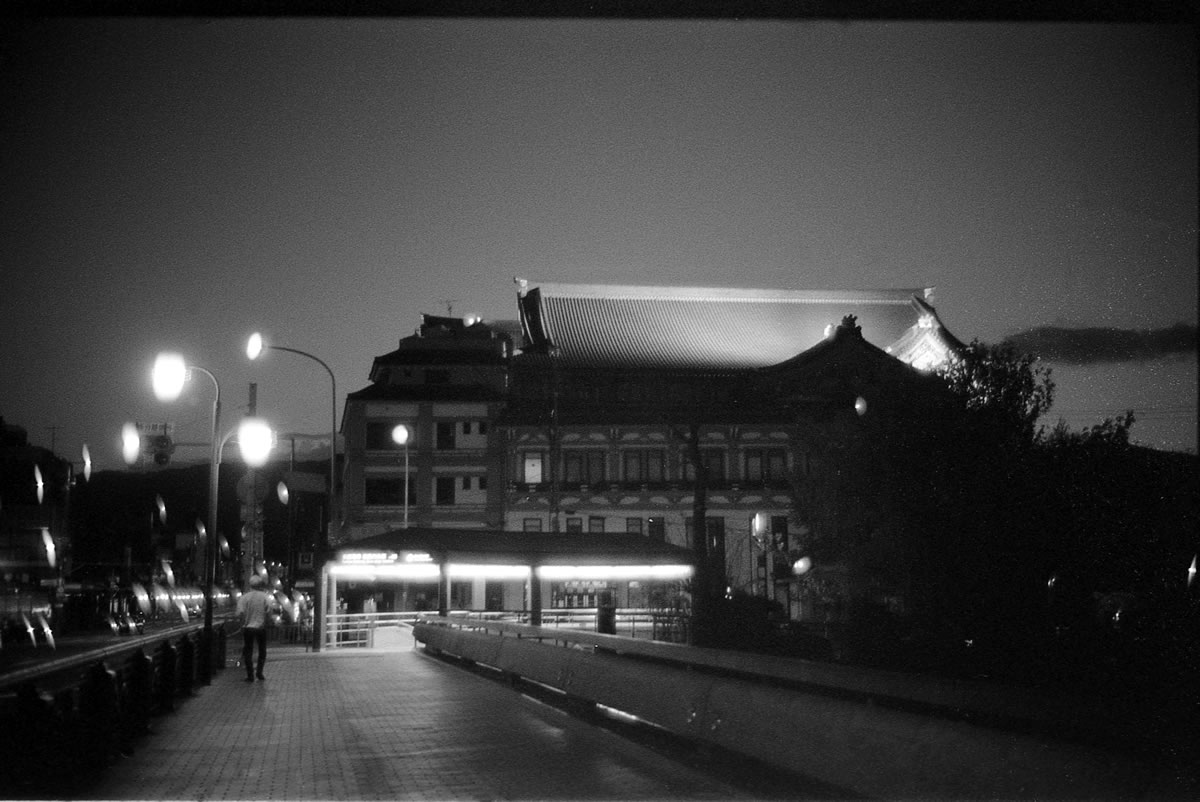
<point>99,713</point>
<point>187,666</point>
<point>166,678</point>
<point>205,656</point>
<point>139,693</point>
<point>28,742</point>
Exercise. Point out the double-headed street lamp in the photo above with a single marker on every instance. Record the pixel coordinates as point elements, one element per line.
<point>255,346</point>
<point>254,437</point>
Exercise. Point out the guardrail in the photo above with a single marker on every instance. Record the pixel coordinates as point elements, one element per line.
<point>64,721</point>
<point>860,731</point>
<point>630,622</point>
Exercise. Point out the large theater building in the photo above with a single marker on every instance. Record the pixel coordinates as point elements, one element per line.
<point>590,426</point>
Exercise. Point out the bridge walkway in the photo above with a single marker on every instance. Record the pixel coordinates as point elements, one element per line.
<point>387,723</point>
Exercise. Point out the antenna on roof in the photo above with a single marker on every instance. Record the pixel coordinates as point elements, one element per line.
<point>450,302</point>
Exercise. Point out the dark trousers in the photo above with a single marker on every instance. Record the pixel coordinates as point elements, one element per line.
<point>251,636</point>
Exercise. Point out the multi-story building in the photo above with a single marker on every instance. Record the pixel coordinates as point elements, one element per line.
<point>446,384</point>
<point>598,423</point>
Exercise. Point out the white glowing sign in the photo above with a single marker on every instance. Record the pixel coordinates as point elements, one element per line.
<point>369,557</point>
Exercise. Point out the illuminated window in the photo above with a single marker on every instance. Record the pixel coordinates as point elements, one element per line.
<point>574,526</point>
<point>596,523</point>
<point>532,463</point>
<point>644,465</point>
<point>583,466</point>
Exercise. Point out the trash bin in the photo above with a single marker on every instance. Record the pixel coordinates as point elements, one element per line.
<point>606,614</point>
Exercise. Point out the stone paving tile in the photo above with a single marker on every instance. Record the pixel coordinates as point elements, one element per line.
<point>396,724</point>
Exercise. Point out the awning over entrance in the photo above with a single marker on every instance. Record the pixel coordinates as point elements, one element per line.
<point>498,547</point>
<point>531,558</point>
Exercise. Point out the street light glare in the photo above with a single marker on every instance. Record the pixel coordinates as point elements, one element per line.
<point>169,375</point>
<point>255,439</point>
<point>254,346</point>
<point>400,435</point>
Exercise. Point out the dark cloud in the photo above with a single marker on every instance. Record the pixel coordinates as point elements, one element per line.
<point>1084,346</point>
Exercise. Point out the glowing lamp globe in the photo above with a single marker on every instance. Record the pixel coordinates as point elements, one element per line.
<point>168,377</point>
<point>254,346</point>
<point>131,443</point>
<point>255,439</point>
<point>400,435</point>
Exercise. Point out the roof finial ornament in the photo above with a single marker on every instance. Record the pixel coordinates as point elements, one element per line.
<point>850,323</point>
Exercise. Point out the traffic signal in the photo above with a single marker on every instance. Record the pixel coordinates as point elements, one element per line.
<point>161,447</point>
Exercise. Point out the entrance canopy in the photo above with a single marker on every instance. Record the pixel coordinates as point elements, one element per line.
<point>419,553</point>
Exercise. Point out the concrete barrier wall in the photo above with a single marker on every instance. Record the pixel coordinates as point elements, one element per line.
<point>851,742</point>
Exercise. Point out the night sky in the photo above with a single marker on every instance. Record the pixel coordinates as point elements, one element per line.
<point>179,183</point>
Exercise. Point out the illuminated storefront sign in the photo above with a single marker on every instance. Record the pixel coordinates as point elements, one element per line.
<point>369,557</point>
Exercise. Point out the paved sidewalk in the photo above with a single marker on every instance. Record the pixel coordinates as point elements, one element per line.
<point>385,724</point>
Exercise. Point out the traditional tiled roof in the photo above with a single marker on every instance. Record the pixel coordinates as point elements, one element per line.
<point>702,327</point>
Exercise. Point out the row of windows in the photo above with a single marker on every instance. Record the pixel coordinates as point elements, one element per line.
<point>446,433</point>
<point>648,465</point>
<point>389,491</point>
<point>655,527</point>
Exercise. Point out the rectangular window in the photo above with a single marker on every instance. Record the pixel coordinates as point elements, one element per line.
<point>595,523</point>
<point>714,462</point>
<point>633,526</point>
<point>583,466</point>
<point>766,465</point>
<point>715,529</point>
<point>466,427</point>
<point>445,436</point>
<point>466,483</point>
<point>531,525</point>
<point>779,532</point>
<point>389,492</point>
<point>444,490</point>
<point>656,527</point>
<point>532,463</point>
<point>574,526</point>
<point>483,483</point>
<point>644,465</point>
<point>482,427</point>
<point>379,436</point>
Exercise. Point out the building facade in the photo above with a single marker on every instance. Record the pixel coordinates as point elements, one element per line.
<point>633,410</point>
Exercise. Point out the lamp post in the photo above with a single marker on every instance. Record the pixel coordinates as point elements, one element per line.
<point>169,375</point>
<point>255,346</point>
<point>400,436</point>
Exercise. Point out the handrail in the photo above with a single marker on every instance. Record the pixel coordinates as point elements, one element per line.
<point>947,696</point>
<point>127,644</point>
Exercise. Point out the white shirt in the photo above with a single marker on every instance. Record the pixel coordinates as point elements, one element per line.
<point>253,607</point>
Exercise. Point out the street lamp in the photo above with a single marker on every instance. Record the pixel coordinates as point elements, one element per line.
<point>169,375</point>
<point>255,346</point>
<point>400,438</point>
<point>254,437</point>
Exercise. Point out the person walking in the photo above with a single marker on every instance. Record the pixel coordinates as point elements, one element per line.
<point>253,607</point>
